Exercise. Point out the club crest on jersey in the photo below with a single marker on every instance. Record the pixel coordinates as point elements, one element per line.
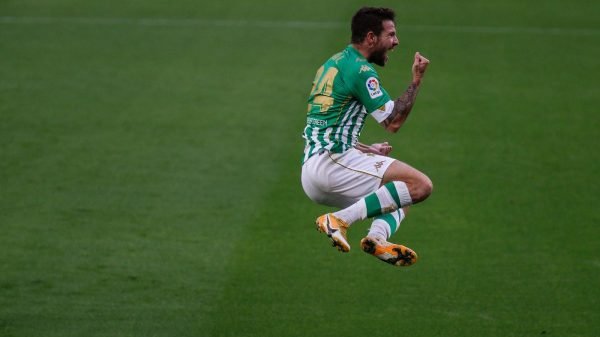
<point>373,87</point>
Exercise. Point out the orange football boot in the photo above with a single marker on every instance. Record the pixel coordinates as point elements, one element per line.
<point>335,228</point>
<point>391,253</point>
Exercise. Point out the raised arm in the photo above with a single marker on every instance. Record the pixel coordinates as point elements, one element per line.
<point>404,103</point>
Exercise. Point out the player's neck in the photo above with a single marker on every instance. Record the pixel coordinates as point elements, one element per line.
<point>362,49</point>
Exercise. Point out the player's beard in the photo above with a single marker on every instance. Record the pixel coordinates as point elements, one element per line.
<point>378,57</point>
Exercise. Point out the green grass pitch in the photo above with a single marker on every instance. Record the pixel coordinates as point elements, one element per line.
<point>150,162</point>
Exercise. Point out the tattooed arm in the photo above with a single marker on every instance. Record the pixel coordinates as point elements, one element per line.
<point>404,103</point>
<point>402,107</point>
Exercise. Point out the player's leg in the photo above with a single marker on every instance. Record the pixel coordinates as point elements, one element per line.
<point>345,179</point>
<point>418,184</point>
<point>375,243</point>
<point>402,186</point>
<point>387,224</point>
<point>340,180</point>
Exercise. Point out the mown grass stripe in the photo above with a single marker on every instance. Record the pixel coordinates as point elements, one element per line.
<point>180,22</point>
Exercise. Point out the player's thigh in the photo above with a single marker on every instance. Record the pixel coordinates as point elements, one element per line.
<point>342,179</point>
<point>356,174</point>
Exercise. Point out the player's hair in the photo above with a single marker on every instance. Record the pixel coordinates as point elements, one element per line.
<point>369,19</point>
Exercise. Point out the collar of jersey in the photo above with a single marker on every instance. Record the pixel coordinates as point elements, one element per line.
<point>353,50</point>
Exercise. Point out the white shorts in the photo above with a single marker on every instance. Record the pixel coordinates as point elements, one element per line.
<point>341,179</point>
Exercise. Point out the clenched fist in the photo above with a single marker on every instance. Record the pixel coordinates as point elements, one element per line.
<point>419,67</point>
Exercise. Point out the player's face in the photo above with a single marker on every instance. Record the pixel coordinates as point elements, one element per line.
<point>386,41</point>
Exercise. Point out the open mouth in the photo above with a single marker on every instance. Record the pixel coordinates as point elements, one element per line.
<point>387,52</point>
<point>386,56</point>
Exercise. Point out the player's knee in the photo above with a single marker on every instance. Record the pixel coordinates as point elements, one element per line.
<point>421,189</point>
<point>427,187</point>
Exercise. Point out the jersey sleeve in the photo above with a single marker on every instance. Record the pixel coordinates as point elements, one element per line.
<point>368,90</point>
<point>382,113</point>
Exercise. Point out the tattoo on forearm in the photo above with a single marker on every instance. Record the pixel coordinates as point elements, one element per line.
<point>402,106</point>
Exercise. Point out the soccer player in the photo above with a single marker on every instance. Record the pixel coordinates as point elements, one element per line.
<point>338,170</point>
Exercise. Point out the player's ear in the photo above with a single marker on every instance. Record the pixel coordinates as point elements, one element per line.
<point>371,38</point>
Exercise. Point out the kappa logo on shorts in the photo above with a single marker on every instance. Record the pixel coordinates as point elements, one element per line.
<point>378,165</point>
<point>373,87</point>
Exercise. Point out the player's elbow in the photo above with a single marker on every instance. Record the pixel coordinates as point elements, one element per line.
<point>395,125</point>
<point>392,128</point>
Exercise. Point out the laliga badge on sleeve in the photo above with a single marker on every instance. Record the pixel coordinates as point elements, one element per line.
<point>373,87</point>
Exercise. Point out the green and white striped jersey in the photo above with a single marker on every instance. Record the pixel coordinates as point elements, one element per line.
<point>345,90</point>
